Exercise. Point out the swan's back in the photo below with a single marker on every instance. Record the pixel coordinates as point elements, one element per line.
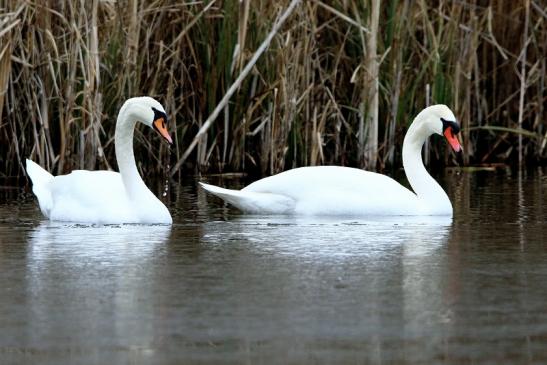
<point>77,196</point>
<point>81,196</point>
<point>93,197</point>
<point>339,190</point>
<point>90,196</point>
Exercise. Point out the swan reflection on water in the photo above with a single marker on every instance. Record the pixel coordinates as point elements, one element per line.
<point>102,276</point>
<point>361,276</point>
<point>113,243</point>
<point>333,236</point>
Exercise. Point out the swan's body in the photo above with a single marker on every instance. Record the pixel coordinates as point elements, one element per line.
<point>106,196</point>
<point>323,190</point>
<point>333,190</point>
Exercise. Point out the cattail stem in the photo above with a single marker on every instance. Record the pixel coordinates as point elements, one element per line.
<point>523,75</point>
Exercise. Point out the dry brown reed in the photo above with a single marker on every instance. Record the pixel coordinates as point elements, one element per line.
<point>338,84</point>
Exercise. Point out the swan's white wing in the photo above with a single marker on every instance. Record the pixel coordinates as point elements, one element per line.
<point>90,196</point>
<point>339,191</point>
<point>253,202</point>
<point>93,197</point>
<point>323,190</point>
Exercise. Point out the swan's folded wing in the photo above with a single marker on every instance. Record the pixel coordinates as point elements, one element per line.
<point>89,196</point>
<point>41,181</point>
<point>253,202</point>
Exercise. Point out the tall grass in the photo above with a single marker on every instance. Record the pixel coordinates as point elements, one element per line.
<point>339,83</point>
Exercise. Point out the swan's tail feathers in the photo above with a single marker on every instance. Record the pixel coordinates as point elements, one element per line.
<point>40,185</point>
<point>253,202</point>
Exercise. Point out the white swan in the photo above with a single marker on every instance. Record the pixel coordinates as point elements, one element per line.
<point>106,196</point>
<point>333,190</point>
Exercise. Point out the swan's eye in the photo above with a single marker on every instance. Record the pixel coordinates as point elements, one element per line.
<point>453,125</point>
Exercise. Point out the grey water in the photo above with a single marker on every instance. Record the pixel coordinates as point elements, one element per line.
<point>222,287</point>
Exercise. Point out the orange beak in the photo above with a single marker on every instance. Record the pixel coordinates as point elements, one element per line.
<point>452,140</point>
<point>159,125</point>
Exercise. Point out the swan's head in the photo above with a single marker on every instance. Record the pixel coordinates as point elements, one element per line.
<point>440,119</point>
<point>150,112</point>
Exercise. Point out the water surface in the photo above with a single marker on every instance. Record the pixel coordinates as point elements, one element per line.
<point>222,287</point>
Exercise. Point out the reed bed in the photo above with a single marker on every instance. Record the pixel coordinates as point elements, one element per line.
<point>338,84</point>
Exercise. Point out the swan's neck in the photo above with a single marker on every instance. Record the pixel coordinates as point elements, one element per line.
<point>123,140</point>
<point>429,192</point>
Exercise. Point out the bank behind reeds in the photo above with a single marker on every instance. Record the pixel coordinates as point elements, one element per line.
<point>339,83</point>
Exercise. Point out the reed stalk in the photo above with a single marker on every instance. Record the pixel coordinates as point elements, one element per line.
<point>371,86</point>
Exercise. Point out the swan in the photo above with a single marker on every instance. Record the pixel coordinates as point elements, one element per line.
<point>335,190</point>
<point>106,197</point>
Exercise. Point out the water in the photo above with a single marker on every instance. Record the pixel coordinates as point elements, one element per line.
<point>221,287</point>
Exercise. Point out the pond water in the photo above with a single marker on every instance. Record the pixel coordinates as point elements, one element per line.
<point>222,287</point>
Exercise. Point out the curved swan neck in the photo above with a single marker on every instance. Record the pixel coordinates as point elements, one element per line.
<point>123,141</point>
<point>425,187</point>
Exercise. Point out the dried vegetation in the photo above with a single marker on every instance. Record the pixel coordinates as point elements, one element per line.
<point>338,84</point>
